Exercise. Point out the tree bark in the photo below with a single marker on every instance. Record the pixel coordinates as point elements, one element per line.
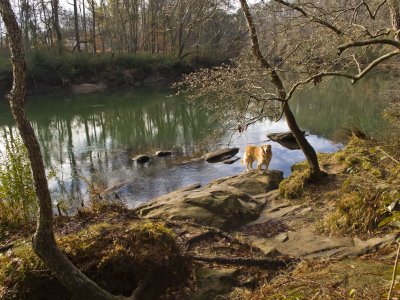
<point>56,24</point>
<point>94,27</point>
<point>308,150</point>
<point>43,241</point>
<point>76,22</point>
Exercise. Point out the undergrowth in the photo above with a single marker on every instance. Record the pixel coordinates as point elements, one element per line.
<point>370,191</point>
<point>341,280</point>
<point>17,192</point>
<point>116,256</point>
<point>47,67</point>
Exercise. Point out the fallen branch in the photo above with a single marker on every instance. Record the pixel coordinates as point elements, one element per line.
<point>256,262</point>
<point>6,247</point>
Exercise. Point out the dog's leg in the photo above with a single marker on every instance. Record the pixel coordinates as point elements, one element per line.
<point>259,165</point>
<point>249,166</point>
<point>267,163</point>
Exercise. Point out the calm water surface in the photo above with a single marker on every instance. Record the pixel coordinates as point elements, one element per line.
<point>93,136</point>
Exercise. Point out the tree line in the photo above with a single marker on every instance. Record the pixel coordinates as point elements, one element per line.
<point>178,28</point>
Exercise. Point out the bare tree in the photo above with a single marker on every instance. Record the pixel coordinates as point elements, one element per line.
<point>300,42</point>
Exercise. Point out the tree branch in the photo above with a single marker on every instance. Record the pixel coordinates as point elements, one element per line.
<point>308,15</point>
<point>393,43</point>
<point>354,78</point>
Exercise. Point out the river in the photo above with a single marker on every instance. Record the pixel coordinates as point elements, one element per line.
<point>91,138</point>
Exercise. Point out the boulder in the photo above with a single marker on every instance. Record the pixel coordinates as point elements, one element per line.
<point>163,153</point>
<point>221,155</point>
<point>141,159</point>
<point>226,203</point>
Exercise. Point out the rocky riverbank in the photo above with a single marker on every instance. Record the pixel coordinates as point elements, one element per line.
<point>239,237</point>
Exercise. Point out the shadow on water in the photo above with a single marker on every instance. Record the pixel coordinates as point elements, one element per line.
<point>94,136</point>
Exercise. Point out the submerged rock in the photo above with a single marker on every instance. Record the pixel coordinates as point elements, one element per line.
<point>85,88</point>
<point>141,159</point>
<point>221,155</point>
<point>226,203</point>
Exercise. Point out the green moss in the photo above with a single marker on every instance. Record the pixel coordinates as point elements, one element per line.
<point>292,187</point>
<point>295,184</point>
<point>361,202</point>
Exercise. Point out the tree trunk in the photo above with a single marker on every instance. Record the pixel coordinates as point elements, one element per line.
<point>56,25</point>
<point>394,7</point>
<point>94,27</point>
<point>44,243</point>
<point>78,44</point>
<point>308,150</point>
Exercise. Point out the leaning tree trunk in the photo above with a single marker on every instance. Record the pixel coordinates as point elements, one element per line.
<point>44,243</point>
<point>308,150</point>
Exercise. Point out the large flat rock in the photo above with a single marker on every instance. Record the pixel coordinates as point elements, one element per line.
<point>225,203</point>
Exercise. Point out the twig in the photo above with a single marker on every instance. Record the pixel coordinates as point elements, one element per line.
<point>394,273</point>
<point>388,155</point>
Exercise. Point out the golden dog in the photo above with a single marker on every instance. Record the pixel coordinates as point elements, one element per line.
<point>261,154</point>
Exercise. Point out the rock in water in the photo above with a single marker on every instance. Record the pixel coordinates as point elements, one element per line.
<point>163,153</point>
<point>282,136</point>
<point>231,161</point>
<point>221,155</point>
<point>286,139</point>
<point>141,159</point>
<point>85,88</point>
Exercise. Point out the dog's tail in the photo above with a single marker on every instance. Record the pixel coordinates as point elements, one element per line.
<point>242,161</point>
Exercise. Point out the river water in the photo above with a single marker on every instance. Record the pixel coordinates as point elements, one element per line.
<point>91,138</point>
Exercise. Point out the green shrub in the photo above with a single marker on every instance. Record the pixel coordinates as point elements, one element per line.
<point>47,67</point>
<point>17,193</point>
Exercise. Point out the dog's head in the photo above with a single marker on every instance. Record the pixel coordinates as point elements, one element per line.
<point>266,148</point>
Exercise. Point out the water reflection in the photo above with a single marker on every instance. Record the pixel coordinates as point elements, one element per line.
<point>93,136</point>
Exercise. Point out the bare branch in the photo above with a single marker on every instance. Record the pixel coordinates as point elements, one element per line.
<point>354,78</point>
<point>394,43</point>
<point>308,15</point>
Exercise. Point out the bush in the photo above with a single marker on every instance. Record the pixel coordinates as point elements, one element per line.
<point>17,192</point>
<point>47,67</point>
